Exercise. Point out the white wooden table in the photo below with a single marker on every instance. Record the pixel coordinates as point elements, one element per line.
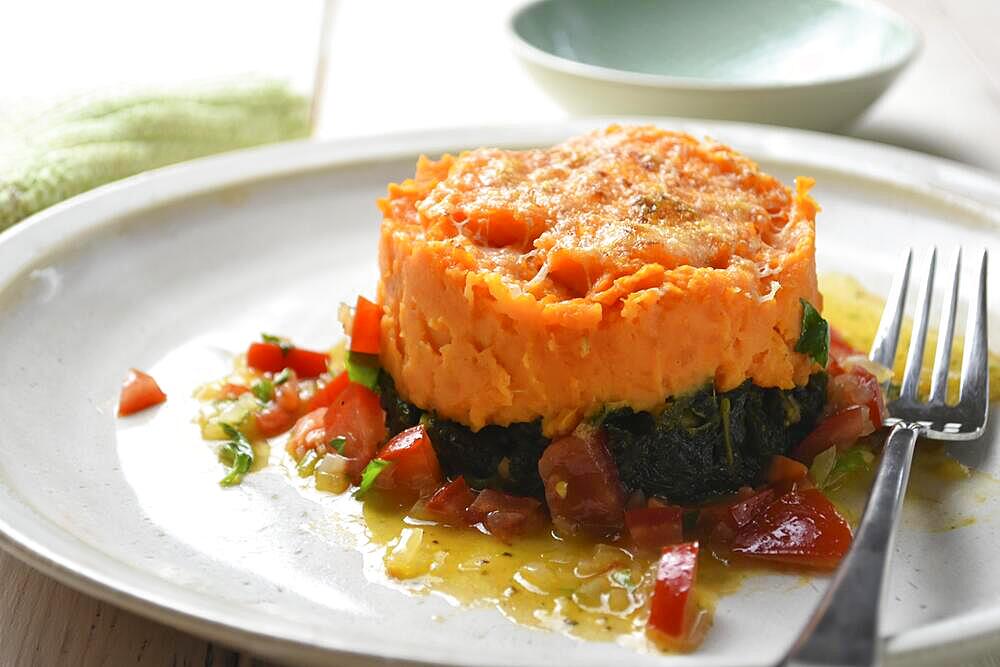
<point>947,104</point>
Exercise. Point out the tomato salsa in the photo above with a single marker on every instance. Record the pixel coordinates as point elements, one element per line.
<point>339,433</point>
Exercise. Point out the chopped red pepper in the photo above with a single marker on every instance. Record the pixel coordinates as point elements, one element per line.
<point>652,528</point>
<point>675,621</point>
<point>582,488</point>
<point>800,528</point>
<point>506,516</point>
<point>306,363</point>
<point>365,333</point>
<point>415,469</point>
<point>139,391</point>
<point>329,392</point>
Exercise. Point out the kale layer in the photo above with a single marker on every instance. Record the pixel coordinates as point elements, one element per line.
<point>700,445</point>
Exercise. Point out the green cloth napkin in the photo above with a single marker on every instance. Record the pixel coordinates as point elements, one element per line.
<point>71,147</point>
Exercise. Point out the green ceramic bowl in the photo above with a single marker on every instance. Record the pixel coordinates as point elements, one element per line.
<point>809,63</point>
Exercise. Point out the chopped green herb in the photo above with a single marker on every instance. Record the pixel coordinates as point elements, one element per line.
<point>277,340</point>
<point>369,474</point>
<point>623,578</point>
<point>307,464</point>
<point>240,452</point>
<point>263,389</point>
<point>815,337</point>
<point>363,369</point>
<point>284,376</point>
<point>338,444</point>
<point>849,462</point>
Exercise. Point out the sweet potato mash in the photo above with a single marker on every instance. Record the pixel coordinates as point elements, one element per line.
<point>621,267</point>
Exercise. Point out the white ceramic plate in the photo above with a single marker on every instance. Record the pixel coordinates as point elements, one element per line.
<point>168,270</point>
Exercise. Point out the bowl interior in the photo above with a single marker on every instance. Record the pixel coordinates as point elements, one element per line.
<point>726,41</point>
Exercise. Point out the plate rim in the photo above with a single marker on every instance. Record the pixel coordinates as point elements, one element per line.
<point>49,231</point>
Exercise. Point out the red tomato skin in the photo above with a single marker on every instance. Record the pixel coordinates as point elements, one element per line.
<point>582,488</point>
<point>784,469</point>
<point>801,528</point>
<point>273,420</point>
<point>450,503</point>
<point>365,334</point>
<point>840,349</point>
<point>506,516</point>
<point>266,357</point>
<point>139,392</point>
<point>415,468</point>
<point>309,432</point>
<point>329,393</point>
<point>652,528</point>
<point>357,416</point>
<point>673,609</point>
<point>306,363</point>
<point>838,430</point>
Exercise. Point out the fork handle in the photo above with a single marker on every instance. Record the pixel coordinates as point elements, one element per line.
<point>844,629</point>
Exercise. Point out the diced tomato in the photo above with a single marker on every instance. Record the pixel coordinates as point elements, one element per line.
<point>308,433</point>
<point>784,469</point>
<point>286,396</point>
<point>675,621</point>
<point>365,333</point>
<point>273,420</point>
<point>230,390</point>
<point>450,503</point>
<point>652,528</point>
<point>415,469</point>
<point>582,488</point>
<point>506,516</point>
<point>306,363</point>
<point>800,528</point>
<point>271,358</point>
<point>838,430</point>
<point>329,392</point>
<point>856,386</point>
<point>721,520</point>
<point>357,416</point>
<point>266,357</point>
<point>139,391</point>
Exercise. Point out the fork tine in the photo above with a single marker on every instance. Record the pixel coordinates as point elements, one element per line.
<point>975,377</point>
<point>915,355</point>
<point>883,349</point>
<point>946,333</point>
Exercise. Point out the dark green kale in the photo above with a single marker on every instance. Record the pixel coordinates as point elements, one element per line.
<point>501,457</point>
<point>690,451</point>
<point>700,445</point>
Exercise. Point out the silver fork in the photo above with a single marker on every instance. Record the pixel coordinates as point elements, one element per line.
<point>844,629</point>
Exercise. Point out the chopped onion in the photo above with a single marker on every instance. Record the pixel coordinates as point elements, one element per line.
<point>406,559</point>
<point>881,373</point>
<point>822,465</point>
<point>331,474</point>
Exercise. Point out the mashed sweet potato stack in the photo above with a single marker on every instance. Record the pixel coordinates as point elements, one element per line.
<point>621,267</point>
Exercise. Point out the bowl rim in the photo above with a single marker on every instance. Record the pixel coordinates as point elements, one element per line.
<point>531,53</point>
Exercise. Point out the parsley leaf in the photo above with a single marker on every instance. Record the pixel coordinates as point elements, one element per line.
<point>338,444</point>
<point>238,449</point>
<point>815,337</point>
<point>263,389</point>
<point>277,340</point>
<point>363,369</point>
<point>369,474</point>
